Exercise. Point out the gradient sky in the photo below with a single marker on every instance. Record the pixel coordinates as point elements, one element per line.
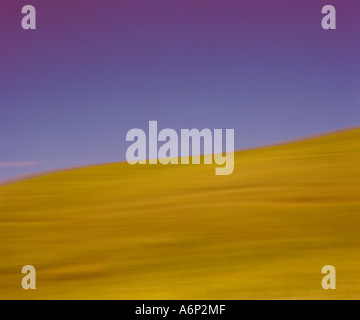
<point>92,70</point>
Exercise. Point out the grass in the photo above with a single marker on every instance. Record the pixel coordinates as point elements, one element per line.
<point>118,231</point>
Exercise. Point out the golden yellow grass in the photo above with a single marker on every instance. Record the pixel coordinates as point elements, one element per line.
<point>180,232</point>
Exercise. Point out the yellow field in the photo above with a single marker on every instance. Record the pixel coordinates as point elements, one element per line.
<point>180,232</point>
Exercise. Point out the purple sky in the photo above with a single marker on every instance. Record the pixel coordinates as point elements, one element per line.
<point>92,70</point>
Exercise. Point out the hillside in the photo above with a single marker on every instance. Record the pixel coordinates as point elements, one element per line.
<point>118,231</point>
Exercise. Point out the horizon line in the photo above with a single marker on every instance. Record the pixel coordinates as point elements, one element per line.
<point>23,177</point>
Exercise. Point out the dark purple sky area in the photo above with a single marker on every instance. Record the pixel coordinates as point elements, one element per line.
<point>71,89</point>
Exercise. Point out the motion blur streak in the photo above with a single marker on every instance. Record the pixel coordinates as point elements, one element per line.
<point>118,231</point>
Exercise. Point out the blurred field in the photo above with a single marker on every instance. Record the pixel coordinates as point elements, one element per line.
<point>180,232</point>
